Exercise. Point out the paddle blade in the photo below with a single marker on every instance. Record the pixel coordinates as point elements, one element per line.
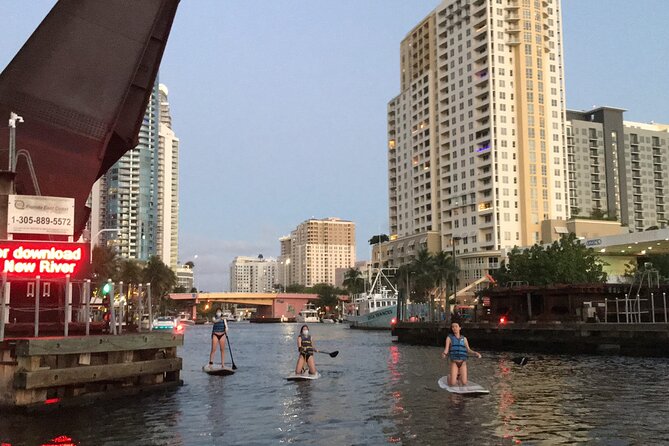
<point>334,354</point>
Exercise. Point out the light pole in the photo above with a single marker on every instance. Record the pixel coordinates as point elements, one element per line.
<point>13,120</point>
<point>93,239</point>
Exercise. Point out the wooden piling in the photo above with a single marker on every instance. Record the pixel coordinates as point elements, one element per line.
<point>36,370</point>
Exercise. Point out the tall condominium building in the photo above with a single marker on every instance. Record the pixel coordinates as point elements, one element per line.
<point>616,168</point>
<point>475,138</point>
<point>318,248</point>
<point>167,245</point>
<point>138,196</point>
<point>283,263</point>
<point>252,275</point>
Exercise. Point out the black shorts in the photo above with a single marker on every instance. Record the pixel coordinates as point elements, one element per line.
<point>218,335</point>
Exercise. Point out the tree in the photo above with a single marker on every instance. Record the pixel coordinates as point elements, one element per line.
<point>327,295</point>
<point>129,271</point>
<point>566,261</point>
<point>353,281</point>
<point>445,271</point>
<point>378,239</point>
<point>295,288</point>
<point>161,277</point>
<point>105,264</point>
<point>190,264</point>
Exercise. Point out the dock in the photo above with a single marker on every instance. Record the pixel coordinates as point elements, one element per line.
<point>628,339</point>
<point>54,371</point>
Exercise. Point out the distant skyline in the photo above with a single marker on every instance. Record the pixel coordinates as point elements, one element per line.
<point>281,106</point>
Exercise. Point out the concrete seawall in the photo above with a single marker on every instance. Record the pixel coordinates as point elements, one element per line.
<point>580,338</point>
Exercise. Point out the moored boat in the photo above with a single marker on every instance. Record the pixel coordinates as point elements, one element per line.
<point>375,308</point>
<point>308,314</point>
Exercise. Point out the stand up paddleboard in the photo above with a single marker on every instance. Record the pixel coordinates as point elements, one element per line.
<point>217,370</point>
<point>303,377</point>
<point>471,388</point>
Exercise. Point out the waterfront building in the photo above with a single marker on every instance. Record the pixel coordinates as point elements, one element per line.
<point>139,194</point>
<point>317,248</point>
<point>185,277</point>
<point>476,149</point>
<point>616,167</point>
<point>252,274</point>
<point>167,244</point>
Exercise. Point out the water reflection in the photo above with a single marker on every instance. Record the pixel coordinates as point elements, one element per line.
<point>374,392</point>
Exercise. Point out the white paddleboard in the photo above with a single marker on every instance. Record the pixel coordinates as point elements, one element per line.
<point>471,387</point>
<point>217,370</point>
<point>303,377</point>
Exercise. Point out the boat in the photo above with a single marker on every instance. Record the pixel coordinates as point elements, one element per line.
<point>229,317</point>
<point>375,308</point>
<point>185,320</point>
<point>308,314</point>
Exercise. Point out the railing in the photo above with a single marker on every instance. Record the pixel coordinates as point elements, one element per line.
<point>635,309</point>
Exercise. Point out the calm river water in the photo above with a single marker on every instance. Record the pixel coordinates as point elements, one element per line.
<point>375,392</point>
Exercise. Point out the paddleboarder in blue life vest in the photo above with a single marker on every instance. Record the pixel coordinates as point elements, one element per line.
<point>305,346</point>
<point>218,334</point>
<point>457,349</point>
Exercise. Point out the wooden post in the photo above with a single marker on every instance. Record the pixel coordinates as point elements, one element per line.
<point>112,313</point>
<point>68,305</point>
<point>606,310</point>
<point>38,291</point>
<point>529,306</point>
<point>87,297</point>
<point>617,312</point>
<point>664,300</point>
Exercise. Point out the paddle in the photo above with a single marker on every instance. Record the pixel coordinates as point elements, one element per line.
<point>234,367</point>
<point>332,354</point>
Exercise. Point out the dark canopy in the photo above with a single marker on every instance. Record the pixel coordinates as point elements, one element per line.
<point>82,82</point>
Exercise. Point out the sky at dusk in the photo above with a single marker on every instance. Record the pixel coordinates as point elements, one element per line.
<point>280,106</point>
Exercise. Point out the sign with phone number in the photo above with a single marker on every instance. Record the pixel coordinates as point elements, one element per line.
<point>30,214</point>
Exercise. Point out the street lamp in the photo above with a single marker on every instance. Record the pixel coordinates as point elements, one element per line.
<point>93,239</point>
<point>455,274</point>
<point>13,120</point>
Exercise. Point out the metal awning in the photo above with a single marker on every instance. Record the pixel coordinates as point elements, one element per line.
<point>561,230</point>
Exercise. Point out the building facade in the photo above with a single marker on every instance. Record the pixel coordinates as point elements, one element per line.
<point>185,277</point>
<point>252,275</point>
<point>167,246</point>
<point>135,205</point>
<point>616,168</point>
<point>317,249</point>
<point>476,146</point>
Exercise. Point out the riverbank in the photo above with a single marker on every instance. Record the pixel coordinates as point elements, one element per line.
<point>577,338</point>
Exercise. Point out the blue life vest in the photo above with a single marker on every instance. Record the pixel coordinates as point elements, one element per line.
<point>458,351</point>
<point>307,345</point>
<point>219,325</point>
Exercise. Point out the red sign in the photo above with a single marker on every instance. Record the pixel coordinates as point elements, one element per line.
<point>48,260</point>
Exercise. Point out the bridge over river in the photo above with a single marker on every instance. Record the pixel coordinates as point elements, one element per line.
<point>269,305</point>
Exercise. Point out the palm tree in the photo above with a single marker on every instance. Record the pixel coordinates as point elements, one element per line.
<point>353,281</point>
<point>105,264</point>
<point>423,267</point>
<point>161,277</point>
<point>445,269</point>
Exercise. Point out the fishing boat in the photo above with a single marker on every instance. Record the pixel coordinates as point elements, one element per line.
<point>308,314</point>
<point>376,307</point>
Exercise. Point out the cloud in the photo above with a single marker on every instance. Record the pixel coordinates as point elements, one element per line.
<point>212,265</point>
